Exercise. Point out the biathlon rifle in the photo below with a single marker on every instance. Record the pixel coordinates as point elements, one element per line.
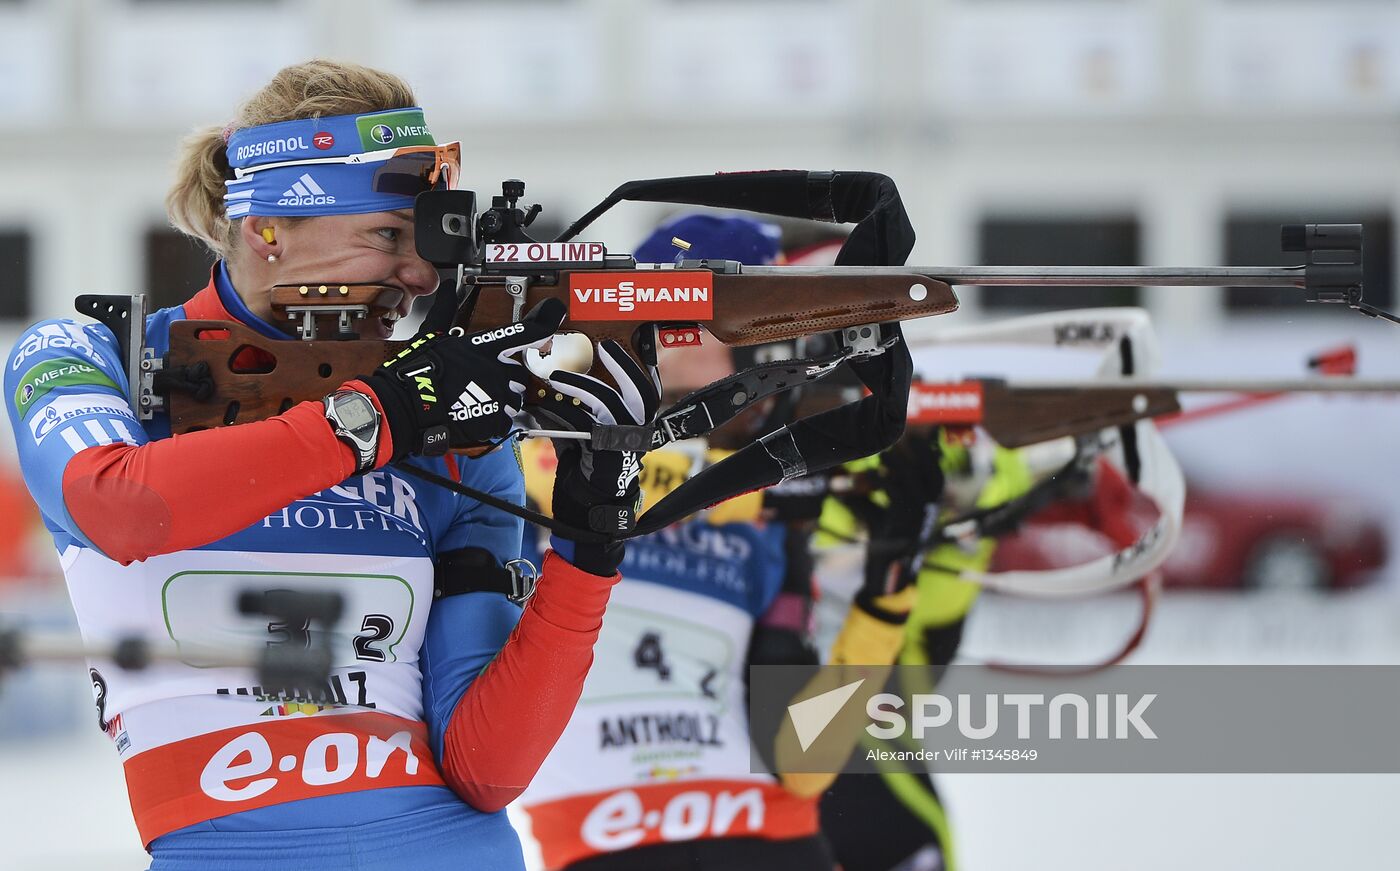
<point>1017,412</point>
<point>496,272</point>
<point>1096,420</point>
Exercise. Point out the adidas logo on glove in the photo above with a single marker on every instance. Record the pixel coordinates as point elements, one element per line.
<point>305,193</point>
<point>498,334</point>
<point>474,402</point>
<point>631,468</point>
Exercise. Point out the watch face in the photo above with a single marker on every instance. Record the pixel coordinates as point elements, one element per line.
<point>355,412</point>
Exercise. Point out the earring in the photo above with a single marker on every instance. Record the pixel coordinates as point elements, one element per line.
<point>272,258</point>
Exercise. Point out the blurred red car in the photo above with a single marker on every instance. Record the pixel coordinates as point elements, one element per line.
<point>1232,539</point>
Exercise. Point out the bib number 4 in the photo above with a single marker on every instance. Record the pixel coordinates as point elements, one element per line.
<point>650,655</point>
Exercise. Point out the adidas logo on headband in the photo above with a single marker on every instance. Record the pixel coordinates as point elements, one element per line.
<point>305,193</point>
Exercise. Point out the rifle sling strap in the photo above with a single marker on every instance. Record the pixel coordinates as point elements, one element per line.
<point>563,530</point>
<point>714,405</point>
<point>477,570</point>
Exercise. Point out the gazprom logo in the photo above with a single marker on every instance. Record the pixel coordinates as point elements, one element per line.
<point>382,133</point>
<point>44,424</point>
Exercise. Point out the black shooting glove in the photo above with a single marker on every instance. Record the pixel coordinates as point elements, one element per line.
<point>900,511</point>
<point>448,391</point>
<point>596,489</point>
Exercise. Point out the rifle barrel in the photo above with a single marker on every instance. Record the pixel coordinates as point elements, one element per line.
<point>63,647</point>
<point>1072,276</point>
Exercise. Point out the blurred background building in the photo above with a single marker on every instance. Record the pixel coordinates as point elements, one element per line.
<point>1116,132</point>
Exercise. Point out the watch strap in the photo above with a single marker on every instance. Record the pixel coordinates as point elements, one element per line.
<point>366,455</point>
<point>386,439</point>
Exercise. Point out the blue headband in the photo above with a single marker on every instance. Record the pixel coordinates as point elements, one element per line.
<point>329,188</point>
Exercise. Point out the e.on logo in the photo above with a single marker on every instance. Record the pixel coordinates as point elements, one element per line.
<point>621,820</point>
<point>649,295</point>
<point>327,759</point>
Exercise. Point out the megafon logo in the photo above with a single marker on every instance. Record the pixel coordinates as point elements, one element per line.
<point>382,133</point>
<point>945,403</point>
<point>661,295</point>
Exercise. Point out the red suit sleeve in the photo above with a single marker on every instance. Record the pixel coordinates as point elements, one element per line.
<point>510,717</point>
<point>138,501</point>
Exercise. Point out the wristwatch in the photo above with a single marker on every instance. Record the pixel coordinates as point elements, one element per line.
<point>356,422</point>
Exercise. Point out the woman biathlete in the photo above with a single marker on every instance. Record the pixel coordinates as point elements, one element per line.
<point>437,712</point>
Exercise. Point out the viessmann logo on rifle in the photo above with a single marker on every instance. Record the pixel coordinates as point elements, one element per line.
<point>665,295</point>
<point>945,403</point>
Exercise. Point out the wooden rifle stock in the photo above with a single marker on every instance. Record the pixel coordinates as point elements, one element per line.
<point>1021,413</point>
<point>754,307</point>
<point>1020,416</point>
<point>748,308</point>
